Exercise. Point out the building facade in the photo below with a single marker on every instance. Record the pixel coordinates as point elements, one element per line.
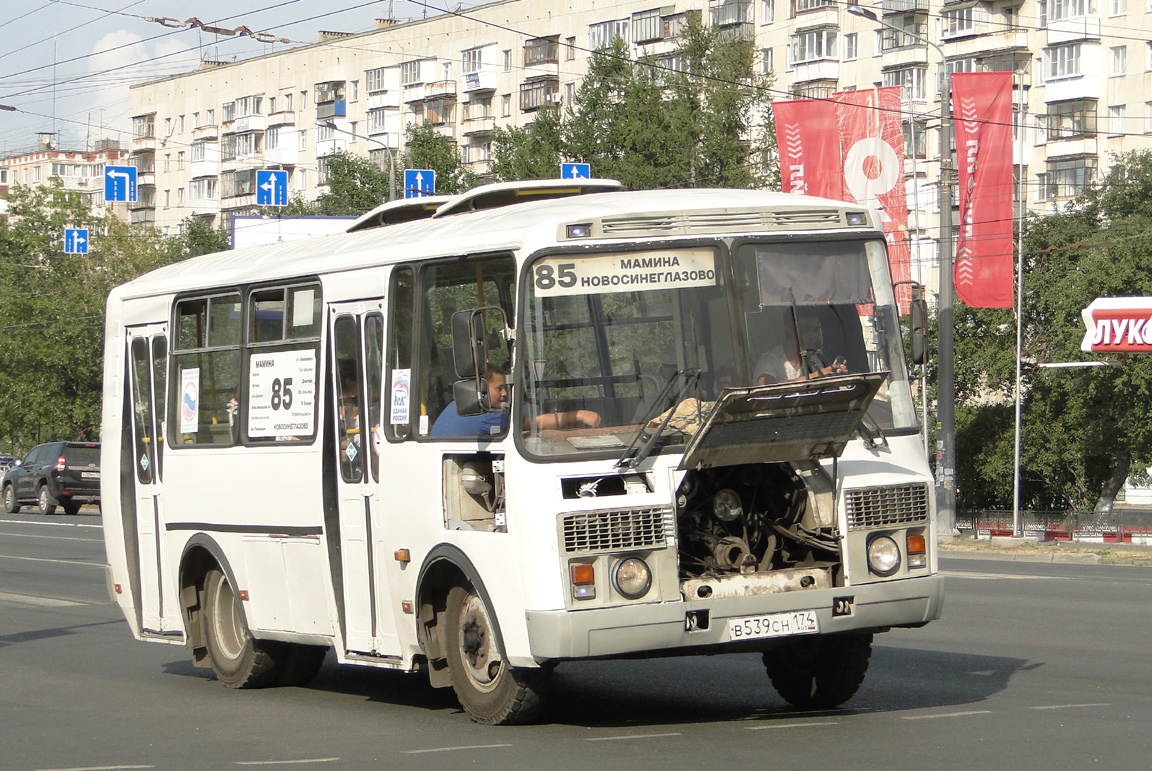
<point>78,170</point>
<point>1082,70</point>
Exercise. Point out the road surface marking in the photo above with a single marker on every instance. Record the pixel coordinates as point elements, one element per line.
<point>789,725</point>
<point>630,736</point>
<point>454,749</point>
<point>1070,706</point>
<point>94,768</point>
<point>283,762</point>
<point>49,524</point>
<point>49,602</point>
<point>949,714</point>
<point>987,576</point>
<point>53,537</point>
<point>61,562</point>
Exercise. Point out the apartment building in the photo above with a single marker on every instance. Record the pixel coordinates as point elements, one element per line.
<point>1082,70</point>
<point>79,170</point>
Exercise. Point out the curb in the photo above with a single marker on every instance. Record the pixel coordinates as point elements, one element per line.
<point>1078,558</point>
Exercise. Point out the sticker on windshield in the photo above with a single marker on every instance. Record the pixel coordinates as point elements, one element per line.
<point>630,272</point>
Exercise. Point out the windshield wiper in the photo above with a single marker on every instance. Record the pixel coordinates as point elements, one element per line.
<point>635,453</point>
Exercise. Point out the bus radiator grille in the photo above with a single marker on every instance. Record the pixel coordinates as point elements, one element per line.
<point>596,531</point>
<point>887,506</point>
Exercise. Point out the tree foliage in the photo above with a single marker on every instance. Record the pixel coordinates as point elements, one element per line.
<point>1083,429</point>
<point>429,149</point>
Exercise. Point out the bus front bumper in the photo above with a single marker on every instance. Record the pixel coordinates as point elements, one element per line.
<point>621,630</point>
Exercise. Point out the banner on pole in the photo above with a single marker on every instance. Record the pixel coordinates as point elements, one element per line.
<point>983,109</point>
<point>809,148</point>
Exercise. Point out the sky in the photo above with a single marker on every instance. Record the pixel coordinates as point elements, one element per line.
<point>66,66</point>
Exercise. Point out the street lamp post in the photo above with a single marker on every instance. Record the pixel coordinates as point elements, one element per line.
<point>391,155</point>
<point>946,371</point>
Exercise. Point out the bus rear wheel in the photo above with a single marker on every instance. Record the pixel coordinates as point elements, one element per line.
<point>489,690</point>
<point>819,672</point>
<point>238,660</point>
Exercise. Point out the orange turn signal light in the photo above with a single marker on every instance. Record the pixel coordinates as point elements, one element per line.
<point>916,544</point>
<point>583,574</point>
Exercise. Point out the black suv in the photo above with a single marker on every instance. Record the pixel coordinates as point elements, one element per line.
<point>58,473</point>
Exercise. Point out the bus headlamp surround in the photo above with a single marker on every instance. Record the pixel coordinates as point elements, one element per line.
<point>883,555</point>
<point>632,578</point>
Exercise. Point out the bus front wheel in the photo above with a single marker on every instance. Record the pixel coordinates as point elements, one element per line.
<point>238,660</point>
<point>489,690</point>
<point>819,672</point>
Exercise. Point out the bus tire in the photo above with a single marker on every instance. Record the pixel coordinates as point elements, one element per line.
<point>238,660</point>
<point>489,690</point>
<point>11,505</point>
<point>300,664</point>
<point>819,672</point>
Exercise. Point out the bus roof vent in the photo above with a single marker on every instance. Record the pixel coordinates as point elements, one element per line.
<point>400,210</point>
<point>506,193</point>
<point>721,221</point>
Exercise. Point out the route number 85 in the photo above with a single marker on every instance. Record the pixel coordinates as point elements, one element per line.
<point>282,393</point>
<point>564,274</point>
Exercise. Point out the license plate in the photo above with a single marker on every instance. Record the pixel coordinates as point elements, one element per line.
<point>89,474</point>
<point>773,625</point>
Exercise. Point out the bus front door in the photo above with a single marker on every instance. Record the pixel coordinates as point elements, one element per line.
<point>357,339</point>
<point>148,362</point>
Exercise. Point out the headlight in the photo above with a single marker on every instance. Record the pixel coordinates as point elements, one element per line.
<point>632,578</point>
<point>883,555</point>
<point>726,505</point>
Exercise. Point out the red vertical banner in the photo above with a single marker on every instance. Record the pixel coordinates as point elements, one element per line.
<point>982,106</point>
<point>809,145</point>
<point>872,147</point>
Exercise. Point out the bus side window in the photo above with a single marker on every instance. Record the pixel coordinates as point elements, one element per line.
<point>207,373</point>
<point>447,288</point>
<point>398,378</point>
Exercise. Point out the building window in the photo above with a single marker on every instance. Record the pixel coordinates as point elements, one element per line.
<point>303,143</point>
<point>569,49</point>
<point>325,132</point>
<point>1071,120</point>
<point>1116,119</point>
<point>646,26</point>
<point>181,123</point>
<point>167,162</point>
<point>812,5</point>
<point>439,111</point>
<point>542,50</point>
<point>471,60</point>
<point>1148,117</point>
<point>851,47</point>
<point>203,189</point>
<point>765,61</point>
<point>376,121</point>
<point>767,11</point>
<point>354,91</point>
<point>1063,61</point>
<point>915,139</point>
<point>957,22</point>
<point>180,161</point>
<point>813,45</point>
<point>538,93</point>
<point>877,42</point>
<point>1118,7</point>
<point>912,30</point>
<point>601,35</point>
<point>508,60</point>
<point>179,196</point>
<point>1068,9</point>
<point>200,151</point>
<point>195,120</point>
<point>1148,60</point>
<point>375,80</point>
<point>287,96</point>
<point>409,73</point>
<point>272,138</point>
<point>506,106</point>
<point>1119,61</point>
<point>1067,178</point>
<point>910,80</point>
<point>144,126</point>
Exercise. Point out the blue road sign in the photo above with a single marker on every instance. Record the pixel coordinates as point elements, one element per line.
<point>76,240</point>
<point>271,188</point>
<point>119,183</point>
<point>419,183</point>
<point>575,171</point>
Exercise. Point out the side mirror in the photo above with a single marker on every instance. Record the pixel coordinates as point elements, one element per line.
<point>919,314</point>
<point>15,463</point>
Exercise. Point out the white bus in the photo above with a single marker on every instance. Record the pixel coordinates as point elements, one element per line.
<point>539,422</point>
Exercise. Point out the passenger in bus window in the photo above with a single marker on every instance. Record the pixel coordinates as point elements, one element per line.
<point>349,414</point>
<point>801,357</point>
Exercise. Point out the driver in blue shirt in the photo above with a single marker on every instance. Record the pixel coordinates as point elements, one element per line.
<point>452,423</point>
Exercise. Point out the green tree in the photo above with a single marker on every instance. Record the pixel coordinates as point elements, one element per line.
<point>429,149</point>
<point>356,185</point>
<point>532,152</point>
<point>197,236</point>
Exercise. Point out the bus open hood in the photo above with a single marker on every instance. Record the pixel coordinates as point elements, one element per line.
<point>806,420</point>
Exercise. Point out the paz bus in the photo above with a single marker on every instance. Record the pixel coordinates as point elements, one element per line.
<point>480,436</point>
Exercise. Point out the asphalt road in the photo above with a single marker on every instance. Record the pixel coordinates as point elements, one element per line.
<point>1033,666</point>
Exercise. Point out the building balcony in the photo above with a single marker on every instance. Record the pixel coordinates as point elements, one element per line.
<point>143,144</point>
<point>205,168</point>
<point>248,123</point>
<point>145,178</point>
<point>479,126</point>
<point>384,100</point>
<point>328,110</point>
<point>1064,148</point>
<point>384,139</point>
<point>327,147</point>
<point>822,70</point>
<point>904,6</point>
<point>205,133</point>
<point>483,80</point>
<point>1011,40</point>
<point>284,156</point>
<point>439,88</point>
<point>242,201</point>
<point>818,16</point>
<point>902,57</point>
<point>1079,87</point>
<point>412,92</point>
<point>1071,30</point>
<point>282,118</point>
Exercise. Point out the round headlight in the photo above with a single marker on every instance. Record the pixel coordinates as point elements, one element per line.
<point>726,505</point>
<point>883,556</point>
<point>633,578</point>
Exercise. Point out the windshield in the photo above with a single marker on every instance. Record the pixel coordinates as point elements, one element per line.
<point>611,342</point>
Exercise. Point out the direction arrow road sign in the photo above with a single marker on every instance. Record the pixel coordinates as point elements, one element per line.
<point>419,182</point>
<point>575,171</point>
<point>271,188</point>
<point>119,183</point>
<point>76,240</point>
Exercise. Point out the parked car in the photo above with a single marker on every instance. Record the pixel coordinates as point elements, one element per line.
<point>65,474</point>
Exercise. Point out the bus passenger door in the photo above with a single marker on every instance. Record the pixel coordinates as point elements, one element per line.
<point>148,361</point>
<point>357,340</point>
